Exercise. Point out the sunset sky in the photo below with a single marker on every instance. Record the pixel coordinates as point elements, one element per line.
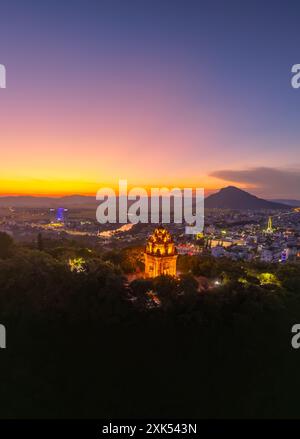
<point>160,92</point>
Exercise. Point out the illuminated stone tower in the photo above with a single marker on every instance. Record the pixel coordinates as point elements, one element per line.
<point>160,254</point>
<point>270,229</point>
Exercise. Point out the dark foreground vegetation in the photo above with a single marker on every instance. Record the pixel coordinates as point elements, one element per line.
<point>77,347</point>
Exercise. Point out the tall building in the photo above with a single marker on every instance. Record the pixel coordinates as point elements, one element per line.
<point>160,254</point>
<point>59,215</point>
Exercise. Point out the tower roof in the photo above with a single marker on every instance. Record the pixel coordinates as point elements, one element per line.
<point>160,243</point>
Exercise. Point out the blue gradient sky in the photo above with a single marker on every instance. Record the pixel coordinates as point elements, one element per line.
<point>158,92</point>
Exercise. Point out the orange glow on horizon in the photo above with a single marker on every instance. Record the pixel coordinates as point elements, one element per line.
<point>59,188</point>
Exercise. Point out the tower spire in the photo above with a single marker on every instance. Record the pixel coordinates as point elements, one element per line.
<point>270,225</point>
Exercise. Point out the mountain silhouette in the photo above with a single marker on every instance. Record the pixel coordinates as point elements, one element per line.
<point>227,198</point>
<point>233,198</point>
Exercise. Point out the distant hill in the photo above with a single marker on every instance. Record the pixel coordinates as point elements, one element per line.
<point>74,201</point>
<point>233,198</point>
<point>294,203</point>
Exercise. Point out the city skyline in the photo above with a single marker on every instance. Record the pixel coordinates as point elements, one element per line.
<point>183,96</point>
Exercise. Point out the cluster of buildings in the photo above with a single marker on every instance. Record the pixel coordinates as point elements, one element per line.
<point>269,239</point>
<point>239,235</point>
